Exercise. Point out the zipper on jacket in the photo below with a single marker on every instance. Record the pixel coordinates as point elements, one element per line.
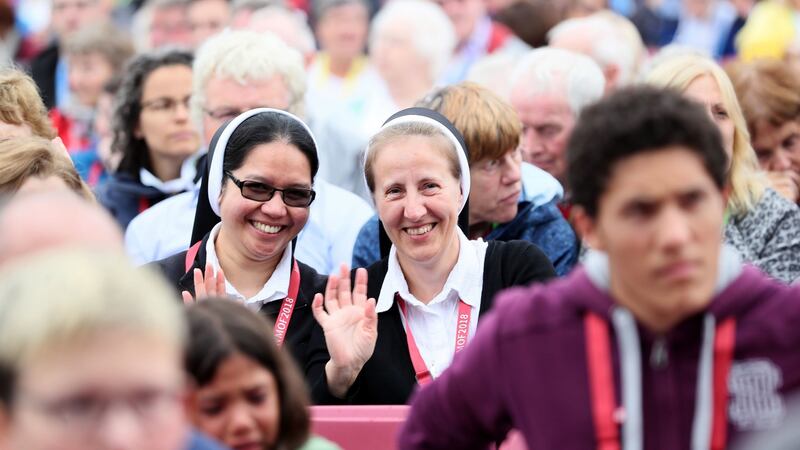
<point>659,354</point>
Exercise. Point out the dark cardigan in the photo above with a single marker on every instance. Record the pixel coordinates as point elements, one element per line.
<point>388,376</point>
<point>298,334</point>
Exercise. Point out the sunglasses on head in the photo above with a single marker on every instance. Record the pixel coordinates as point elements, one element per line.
<point>262,192</point>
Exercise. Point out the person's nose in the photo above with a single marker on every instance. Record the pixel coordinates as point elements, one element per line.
<point>674,229</point>
<point>120,429</point>
<point>780,161</point>
<point>182,111</point>
<point>274,207</point>
<point>414,208</point>
<point>240,420</point>
<point>512,170</point>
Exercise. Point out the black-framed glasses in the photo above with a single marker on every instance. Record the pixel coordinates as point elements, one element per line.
<point>261,192</point>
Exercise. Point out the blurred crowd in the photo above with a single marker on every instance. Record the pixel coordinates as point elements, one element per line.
<point>596,200</point>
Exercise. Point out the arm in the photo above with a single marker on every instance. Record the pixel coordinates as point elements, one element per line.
<point>523,263</point>
<point>465,407</point>
<point>780,256</point>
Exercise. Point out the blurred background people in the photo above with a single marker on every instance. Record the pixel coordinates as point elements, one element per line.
<point>153,133</point>
<point>549,89</point>
<point>162,23</point>
<point>207,18</point>
<point>49,68</point>
<point>769,92</point>
<point>94,55</point>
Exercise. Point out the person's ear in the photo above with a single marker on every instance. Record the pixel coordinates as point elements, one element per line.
<point>587,229</point>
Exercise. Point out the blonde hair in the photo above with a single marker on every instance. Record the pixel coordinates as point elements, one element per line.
<point>401,131</point>
<point>21,104</point>
<point>26,157</point>
<point>746,180</point>
<point>69,295</point>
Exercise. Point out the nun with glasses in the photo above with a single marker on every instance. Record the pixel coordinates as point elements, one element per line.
<point>254,200</point>
<point>409,313</point>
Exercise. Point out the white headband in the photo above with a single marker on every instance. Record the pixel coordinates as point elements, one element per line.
<point>215,175</point>
<point>462,154</point>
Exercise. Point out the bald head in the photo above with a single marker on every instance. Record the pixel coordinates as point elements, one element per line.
<point>30,223</point>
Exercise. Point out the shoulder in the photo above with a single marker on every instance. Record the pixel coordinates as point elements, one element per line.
<point>544,308</point>
<point>173,267</point>
<point>340,198</point>
<point>515,254</point>
<point>309,277</point>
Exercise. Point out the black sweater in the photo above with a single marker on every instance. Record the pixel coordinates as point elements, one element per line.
<point>388,376</point>
<point>298,334</point>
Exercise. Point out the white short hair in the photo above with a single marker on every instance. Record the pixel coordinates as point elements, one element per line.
<point>275,19</point>
<point>609,44</point>
<point>550,70</point>
<point>431,31</point>
<point>247,56</point>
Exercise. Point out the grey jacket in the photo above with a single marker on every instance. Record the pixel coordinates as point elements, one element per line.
<point>768,236</point>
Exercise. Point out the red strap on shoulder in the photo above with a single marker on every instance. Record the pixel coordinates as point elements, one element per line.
<point>143,204</point>
<point>601,382</point>
<point>191,254</point>
<point>724,343</point>
<point>498,37</point>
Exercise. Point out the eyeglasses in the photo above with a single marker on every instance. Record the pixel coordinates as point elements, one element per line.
<point>261,192</point>
<point>164,104</point>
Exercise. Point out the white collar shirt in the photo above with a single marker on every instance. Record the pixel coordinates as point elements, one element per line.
<point>433,325</point>
<point>184,182</point>
<point>276,287</point>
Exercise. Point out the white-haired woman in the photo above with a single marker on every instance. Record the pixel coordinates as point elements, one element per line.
<point>762,225</point>
<point>433,287</point>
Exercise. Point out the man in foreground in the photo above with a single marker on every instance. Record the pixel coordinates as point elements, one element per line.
<point>663,340</point>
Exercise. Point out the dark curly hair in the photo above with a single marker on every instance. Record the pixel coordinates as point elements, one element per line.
<point>128,107</point>
<point>219,329</point>
<point>634,121</point>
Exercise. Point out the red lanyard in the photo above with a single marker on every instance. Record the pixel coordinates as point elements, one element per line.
<point>462,336</point>
<point>601,382</point>
<point>287,306</point>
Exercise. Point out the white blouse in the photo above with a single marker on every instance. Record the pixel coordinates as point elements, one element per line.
<point>276,287</point>
<point>434,325</point>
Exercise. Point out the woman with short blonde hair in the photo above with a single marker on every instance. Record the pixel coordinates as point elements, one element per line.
<point>22,107</point>
<point>760,223</point>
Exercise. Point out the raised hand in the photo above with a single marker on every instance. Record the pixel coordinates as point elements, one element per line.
<point>350,324</point>
<point>206,286</point>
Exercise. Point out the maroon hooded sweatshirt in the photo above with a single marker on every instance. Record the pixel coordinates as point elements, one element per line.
<point>527,369</point>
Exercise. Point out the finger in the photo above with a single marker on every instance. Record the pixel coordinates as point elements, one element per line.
<point>199,287</point>
<point>318,311</point>
<point>187,298</point>
<point>345,296</point>
<point>210,281</point>
<point>371,315</point>
<point>360,288</point>
<point>331,299</point>
<point>221,291</point>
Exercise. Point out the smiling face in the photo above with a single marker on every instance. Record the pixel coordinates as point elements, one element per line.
<point>260,231</point>
<point>240,407</point>
<point>418,198</point>
<point>705,91</point>
<point>660,221</point>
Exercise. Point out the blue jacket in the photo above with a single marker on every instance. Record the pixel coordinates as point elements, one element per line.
<point>125,197</point>
<point>542,225</point>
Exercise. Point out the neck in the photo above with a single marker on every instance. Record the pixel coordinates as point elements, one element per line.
<point>245,274</point>
<point>407,91</point>
<point>165,169</point>
<point>657,320</point>
<point>425,281</point>
<point>340,66</point>
<point>479,229</point>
